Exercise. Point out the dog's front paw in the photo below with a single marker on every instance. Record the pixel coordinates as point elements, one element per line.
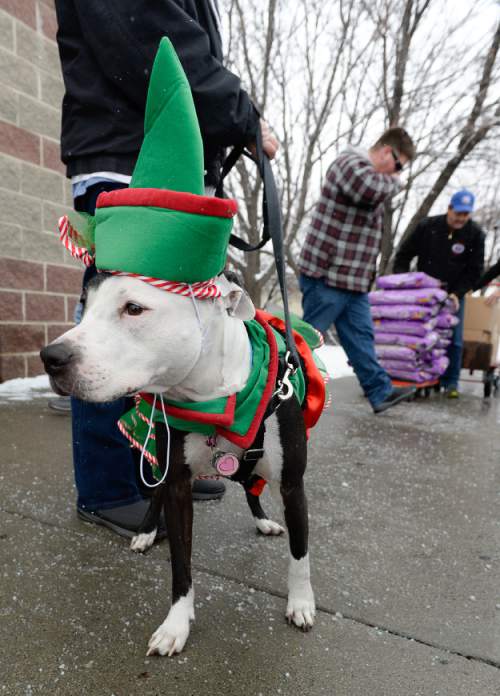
<point>171,636</point>
<point>168,640</point>
<point>143,542</point>
<point>269,528</point>
<point>301,609</point>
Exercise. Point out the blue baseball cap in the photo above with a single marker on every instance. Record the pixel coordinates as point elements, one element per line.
<point>462,201</point>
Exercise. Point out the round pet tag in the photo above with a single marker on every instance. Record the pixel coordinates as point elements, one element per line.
<point>226,463</point>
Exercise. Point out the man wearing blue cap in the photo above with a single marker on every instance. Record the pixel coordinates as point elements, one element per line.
<point>451,248</point>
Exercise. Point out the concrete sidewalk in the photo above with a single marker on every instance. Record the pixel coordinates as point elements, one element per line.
<point>405,551</point>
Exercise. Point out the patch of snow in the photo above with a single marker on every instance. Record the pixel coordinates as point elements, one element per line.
<point>335,361</point>
<point>25,389</point>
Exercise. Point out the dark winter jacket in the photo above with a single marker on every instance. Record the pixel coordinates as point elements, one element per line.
<point>107,49</point>
<point>490,275</point>
<point>454,257</point>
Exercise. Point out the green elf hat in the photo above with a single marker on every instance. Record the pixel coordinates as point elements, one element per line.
<point>162,226</point>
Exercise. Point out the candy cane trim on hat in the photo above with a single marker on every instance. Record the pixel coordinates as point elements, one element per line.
<point>66,233</point>
<point>202,290</point>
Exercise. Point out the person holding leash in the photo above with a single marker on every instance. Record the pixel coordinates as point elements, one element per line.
<point>106,52</point>
<point>339,256</point>
<point>450,248</point>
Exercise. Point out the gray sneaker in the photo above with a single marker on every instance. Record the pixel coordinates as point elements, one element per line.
<point>397,395</point>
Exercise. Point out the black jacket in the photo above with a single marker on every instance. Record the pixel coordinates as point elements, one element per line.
<point>107,49</point>
<point>492,273</point>
<point>455,258</point>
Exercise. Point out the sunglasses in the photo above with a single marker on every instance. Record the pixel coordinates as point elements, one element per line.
<point>397,162</point>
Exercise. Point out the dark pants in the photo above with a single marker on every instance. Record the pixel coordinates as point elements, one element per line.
<point>451,377</point>
<point>350,312</point>
<point>105,473</point>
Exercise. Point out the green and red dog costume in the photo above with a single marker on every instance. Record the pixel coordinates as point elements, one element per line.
<point>238,417</point>
<point>164,231</point>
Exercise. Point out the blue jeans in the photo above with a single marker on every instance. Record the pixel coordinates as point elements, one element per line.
<point>323,306</point>
<point>105,472</point>
<point>451,377</point>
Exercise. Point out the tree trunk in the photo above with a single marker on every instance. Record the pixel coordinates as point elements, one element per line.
<point>387,239</point>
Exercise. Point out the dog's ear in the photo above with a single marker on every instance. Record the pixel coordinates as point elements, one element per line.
<point>236,301</point>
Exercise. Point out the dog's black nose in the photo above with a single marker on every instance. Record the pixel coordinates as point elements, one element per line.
<point>56,357</point>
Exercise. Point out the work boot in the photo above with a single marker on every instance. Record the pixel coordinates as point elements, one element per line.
<point>397,395</point>
<point>124,520</point>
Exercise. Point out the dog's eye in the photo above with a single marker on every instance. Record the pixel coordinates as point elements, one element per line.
<point>133,309</point>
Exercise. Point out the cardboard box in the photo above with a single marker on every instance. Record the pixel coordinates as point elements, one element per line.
<point>478,335</point>
<point>482,324</point>
<point>478,316</point>
<point>477,355</point>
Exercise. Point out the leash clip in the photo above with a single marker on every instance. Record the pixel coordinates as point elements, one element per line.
<point>285,388</point>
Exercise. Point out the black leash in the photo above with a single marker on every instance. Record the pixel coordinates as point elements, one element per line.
<point>271,213</point>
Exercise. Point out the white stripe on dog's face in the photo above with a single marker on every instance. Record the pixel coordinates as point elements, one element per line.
<point>132,335</point>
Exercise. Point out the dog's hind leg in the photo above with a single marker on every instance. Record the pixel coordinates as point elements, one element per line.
<point>262,522</point>
<point>146,533</point>
<point>301,608</point>
<point>171,636</point>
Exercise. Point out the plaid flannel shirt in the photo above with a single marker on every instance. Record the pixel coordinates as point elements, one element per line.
<point>345,234</point>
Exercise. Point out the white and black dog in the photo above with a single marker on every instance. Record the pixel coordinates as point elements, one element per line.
<point>136,338</point>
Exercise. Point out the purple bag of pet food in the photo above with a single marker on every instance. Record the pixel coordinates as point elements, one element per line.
<point>439,365</point>
<point>414,279</point>
<point>434,354</point>
<point>445,333</point>
<point>414,328</point>
<point>449,305</point>
<point>443,343</point>
<point>407,365</point>
<point>415,342</point>
<point>416,376</point>
<point>411,312</point>
<point>446,320</point>
<point>426,296</point>
<point>392,352</point>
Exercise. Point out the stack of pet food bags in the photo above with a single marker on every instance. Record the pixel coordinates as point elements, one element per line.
<point>413,320</point>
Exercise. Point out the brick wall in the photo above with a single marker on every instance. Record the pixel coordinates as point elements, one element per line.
<point>39,282</point>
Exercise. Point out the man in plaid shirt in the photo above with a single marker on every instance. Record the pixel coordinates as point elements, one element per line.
<point>339,256</point>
